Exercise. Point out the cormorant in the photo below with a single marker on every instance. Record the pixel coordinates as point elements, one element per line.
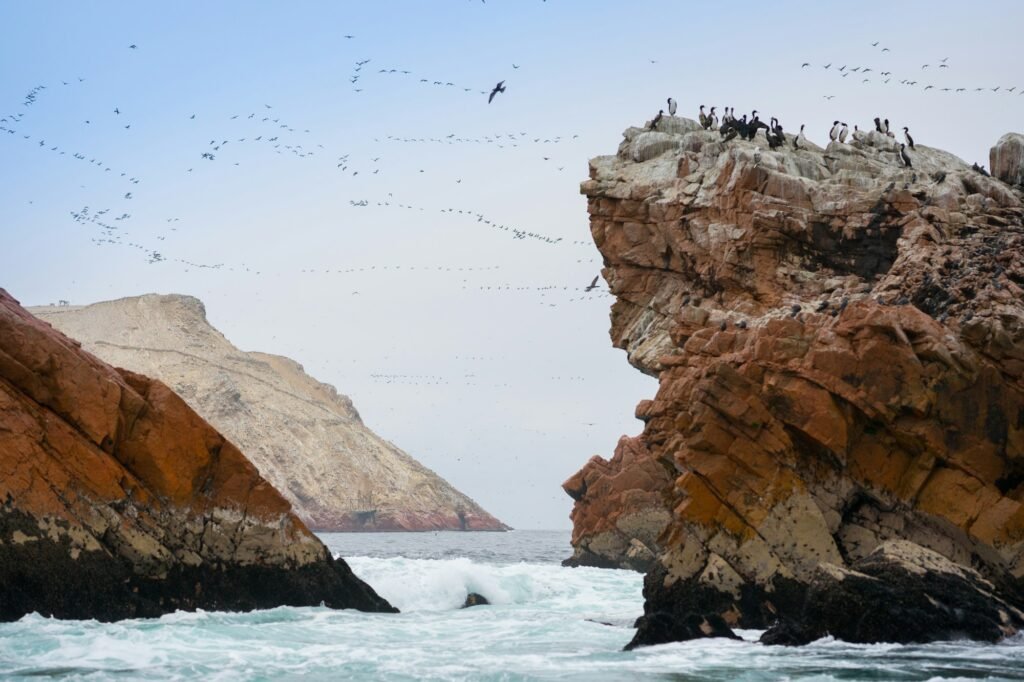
<point>657,119</point>
<point>903,156</point>
<point>834,133</point>
<point>703,118</point>
<point>713,119</point>
<point>671,107</point>
<point>799,137</point>
<point>887,131</point>
<point>878,125</point>
<point>843,133</point>
<point>909,139</point>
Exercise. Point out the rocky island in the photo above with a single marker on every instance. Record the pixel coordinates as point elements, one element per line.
<point>118,501</point>
<point>305,438</point>
<point>837,442</point>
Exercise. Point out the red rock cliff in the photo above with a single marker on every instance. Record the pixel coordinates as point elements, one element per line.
<point>119,501</point>
<point>839,343</point>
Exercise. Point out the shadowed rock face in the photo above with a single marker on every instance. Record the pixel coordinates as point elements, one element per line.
<point>839,343</point>
<point>117,500</point>
<point>303,436</point>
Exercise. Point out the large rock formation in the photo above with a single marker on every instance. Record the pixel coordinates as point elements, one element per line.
<point>839,343</point>
<point>1006,159</point>
<point>117,500</point>
<point>303,436</point>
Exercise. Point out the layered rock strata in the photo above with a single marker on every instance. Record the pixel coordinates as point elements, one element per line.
<point>117,500</point>
<point>303,436</point>
<point>839,343</point>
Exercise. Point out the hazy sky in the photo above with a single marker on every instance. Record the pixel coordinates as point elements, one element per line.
<point>473,350</point>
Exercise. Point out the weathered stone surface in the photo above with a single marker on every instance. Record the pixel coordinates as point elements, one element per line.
<point>303,436</point>
<point>900,592</point>
<point>1006,159</point>
<point>621,500</point>
<point>117,500</point>
<point>839,343</point>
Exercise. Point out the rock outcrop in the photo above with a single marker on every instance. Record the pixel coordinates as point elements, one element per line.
<point>118,501</point>
<point>302,435</point>
<point>1006,159</point>
<point>839,343</point>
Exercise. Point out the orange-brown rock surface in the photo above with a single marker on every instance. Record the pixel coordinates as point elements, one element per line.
<point>839,343</point>
<point>117,500</point>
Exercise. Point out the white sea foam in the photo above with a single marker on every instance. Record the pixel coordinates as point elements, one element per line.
<point>545,622</point>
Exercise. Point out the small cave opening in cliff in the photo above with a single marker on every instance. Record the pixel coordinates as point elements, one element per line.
<point>867,255</point>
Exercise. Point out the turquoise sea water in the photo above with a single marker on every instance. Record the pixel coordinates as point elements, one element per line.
<point>545,622</point>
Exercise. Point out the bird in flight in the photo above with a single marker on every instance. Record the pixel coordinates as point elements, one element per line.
<point>500,87</point>
<point>133,46</point>
<point>515,66</point>
<point>593,285</point>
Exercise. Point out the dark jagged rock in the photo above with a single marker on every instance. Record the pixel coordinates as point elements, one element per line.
<point>475,599</point>
<point>118,501</point>
<point>901,592</point>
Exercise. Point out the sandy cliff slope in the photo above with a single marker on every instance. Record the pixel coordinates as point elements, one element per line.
<point>305,437</point>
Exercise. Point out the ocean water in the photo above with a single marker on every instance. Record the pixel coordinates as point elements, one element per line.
<point>545,623</point>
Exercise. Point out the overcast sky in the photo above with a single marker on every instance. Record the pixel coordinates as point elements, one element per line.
<point>475,351</point>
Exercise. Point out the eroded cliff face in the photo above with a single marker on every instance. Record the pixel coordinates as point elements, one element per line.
<point>303,436</point>
<point>117,500</point>
<point>839,343</point>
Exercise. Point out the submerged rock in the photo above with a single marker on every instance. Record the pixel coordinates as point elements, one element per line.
<point>118,501</point>
<point>475,599</point>
<point>839,345</point>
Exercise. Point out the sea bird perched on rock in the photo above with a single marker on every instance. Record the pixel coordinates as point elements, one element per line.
<point>703,118</point>
<point>713,119</point>
<point>878,125</point>
<point>671,107</point>
<point>887,131</point>
<point>776,138</point>
<point>799,137</point>
<point>907,137</point>
<point>833,134</point>
<point>844,132</point>
<point>903,156</point>
<point>500,87</point>
<point>657,119</point>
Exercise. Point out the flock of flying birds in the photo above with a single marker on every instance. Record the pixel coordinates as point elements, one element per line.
<point>269,129</point>
<point>861,73</point>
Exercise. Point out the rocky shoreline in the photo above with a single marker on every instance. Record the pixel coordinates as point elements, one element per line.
<point>837,443</point>
<point>118,501</point>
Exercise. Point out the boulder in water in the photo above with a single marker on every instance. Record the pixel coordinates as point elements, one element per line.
<point>475,599</point>
<point>901,592</point>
